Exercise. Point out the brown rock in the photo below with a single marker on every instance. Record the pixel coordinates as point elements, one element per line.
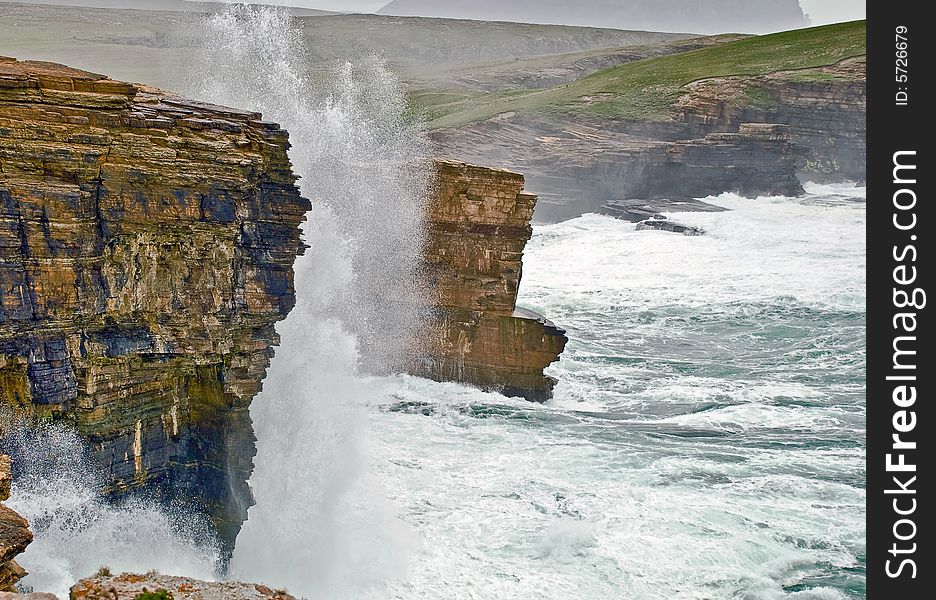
<point>479,224</point>
<point>128,585</point>
<point>14,533</point>
<point>6,477</point>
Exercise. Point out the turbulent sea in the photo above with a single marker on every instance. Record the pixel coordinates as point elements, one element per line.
<point>706,440</point>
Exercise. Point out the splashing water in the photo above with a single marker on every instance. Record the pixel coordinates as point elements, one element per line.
<point>76,531</point>
<point>320,526</point>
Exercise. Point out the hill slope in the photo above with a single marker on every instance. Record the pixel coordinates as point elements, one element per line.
<point>647,89</point>
<point>713,16</point>
<point>740,116</point>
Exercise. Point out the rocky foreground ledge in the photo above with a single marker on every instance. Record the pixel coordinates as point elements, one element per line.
<point>147,245</point>
<point>14,533</point>
<point>154,586</point>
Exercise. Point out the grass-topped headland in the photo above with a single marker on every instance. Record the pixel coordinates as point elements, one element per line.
<point>646,89</point>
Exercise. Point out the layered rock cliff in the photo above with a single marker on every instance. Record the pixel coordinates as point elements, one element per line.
<point>479,224</point>
<point>147,245</point>
<point>146,252</point>
<point>823,108</point>
<point>14,533</point>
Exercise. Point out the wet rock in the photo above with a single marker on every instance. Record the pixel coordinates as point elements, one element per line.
<point>14,533</point>
<point>146,251</point>
<point>661,223</point>
<point>636,211</point>
<point>479,224</point>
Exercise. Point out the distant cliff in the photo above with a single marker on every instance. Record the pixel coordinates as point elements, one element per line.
<point>752,115</point>
<point>713,16</point>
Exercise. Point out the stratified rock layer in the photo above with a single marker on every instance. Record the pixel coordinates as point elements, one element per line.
<point>129,586</point>
<point>479,224</point>
<point>146,252</point>
<point>14,533</point>
<point>823,108</point>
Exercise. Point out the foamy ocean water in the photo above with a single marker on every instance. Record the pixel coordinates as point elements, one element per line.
<point>706,440</point>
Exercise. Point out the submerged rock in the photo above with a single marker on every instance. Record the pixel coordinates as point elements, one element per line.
<point>155,586</point>
<point>661,223</point>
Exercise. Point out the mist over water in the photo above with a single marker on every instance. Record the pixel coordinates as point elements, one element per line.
<point>321,525</point>
<point>76,531</point>
<point>706,439</point>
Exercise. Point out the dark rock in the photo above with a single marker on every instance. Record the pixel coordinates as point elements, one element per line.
<point>661,223</point>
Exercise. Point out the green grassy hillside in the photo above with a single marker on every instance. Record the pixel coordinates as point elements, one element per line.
<point>646,89</point>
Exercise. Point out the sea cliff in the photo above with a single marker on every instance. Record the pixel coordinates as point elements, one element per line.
<point>479,224</point>
<point>147,245</point>
<point>146,252</point>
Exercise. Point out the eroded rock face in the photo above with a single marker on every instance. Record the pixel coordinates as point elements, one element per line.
<point>129,586</point>
<point>146,252</point>
<point>14,533</point>
<point>823,109</point>
<point>479,224</point>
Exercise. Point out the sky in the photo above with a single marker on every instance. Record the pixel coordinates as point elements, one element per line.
<point>821,11</point>
<point>833,11</point>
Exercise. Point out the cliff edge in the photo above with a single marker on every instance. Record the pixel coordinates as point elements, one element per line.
<point>147,245</point>
<point>146,251</point>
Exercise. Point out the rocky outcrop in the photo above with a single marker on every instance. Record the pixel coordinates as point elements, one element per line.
<point>662,223</point>
<point>823,108</point>
<point>479,224</point>
<point>579,165</point>
<point>14,533</point>
<point>130,586</point>
<point>146,252</point>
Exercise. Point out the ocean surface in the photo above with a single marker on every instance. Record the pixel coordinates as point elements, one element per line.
<point>706,439</point>
<point>705,442</point>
